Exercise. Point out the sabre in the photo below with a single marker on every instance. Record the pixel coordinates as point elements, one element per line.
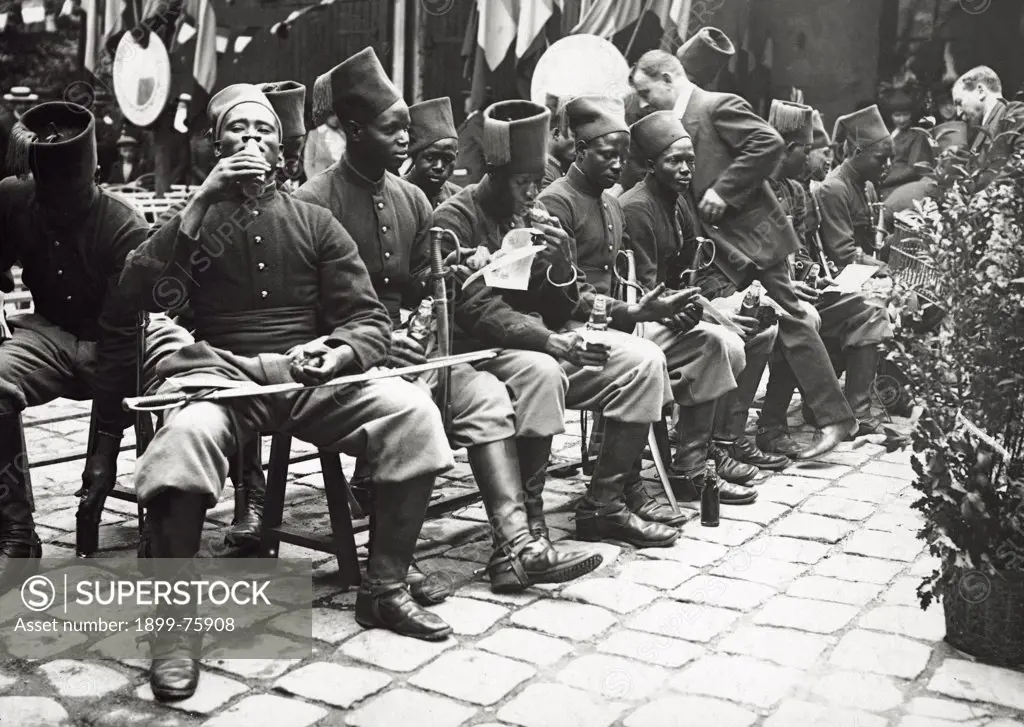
<point>160,402</point>
<point>442,314</point>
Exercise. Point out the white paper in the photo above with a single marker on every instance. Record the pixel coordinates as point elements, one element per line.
<point>853,277</point>
<point>510,266</point>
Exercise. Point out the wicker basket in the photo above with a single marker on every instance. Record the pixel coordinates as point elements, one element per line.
<point>985,616</point>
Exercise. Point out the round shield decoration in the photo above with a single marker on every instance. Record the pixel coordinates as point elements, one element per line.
<point>142,79</point>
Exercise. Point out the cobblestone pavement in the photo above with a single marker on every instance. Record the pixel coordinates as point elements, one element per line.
<point>798,610</point>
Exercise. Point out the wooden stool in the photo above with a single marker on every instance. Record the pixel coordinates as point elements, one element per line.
<point>342,542</point>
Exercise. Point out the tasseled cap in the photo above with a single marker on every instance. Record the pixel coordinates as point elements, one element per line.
<point>289,101</point>
<point>591,117</point>
<point>655,133</point>
<point>357,90</point>
<point>56,141</point>
<point>705,55</point>
<point>236,95</point>
<point>794,121</point>
<point>430,121</point>
<point>950,134</point>
<point>516,136</point>
<point>861,128</point>
<point>820,137</point>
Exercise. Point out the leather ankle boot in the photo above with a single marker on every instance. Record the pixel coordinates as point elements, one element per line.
<point>533,454</point>
<point>602,514</point>
<point>518,561</point>
<point>20,548</point>
<point>383,600</point>
<point>647,506</point>
<point>730,469</point>
<point>861,366</point>
<point>247,524</point>
<point>744,450</point>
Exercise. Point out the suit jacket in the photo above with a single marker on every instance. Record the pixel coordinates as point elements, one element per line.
<point>1002,136</point>
<point>737,152</point>
<point>116,175</point>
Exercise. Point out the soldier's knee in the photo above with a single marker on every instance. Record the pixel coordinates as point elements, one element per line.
<point>648,358</point>
<point>544,375</point>
<point>418,413</point>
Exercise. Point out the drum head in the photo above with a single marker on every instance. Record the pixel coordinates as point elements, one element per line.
<point>142,79</point>
<point>580,65</point>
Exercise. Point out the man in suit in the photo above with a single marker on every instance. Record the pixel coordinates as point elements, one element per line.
<point>736,152</point>
<point>129,165</point>
<point>978,95</point>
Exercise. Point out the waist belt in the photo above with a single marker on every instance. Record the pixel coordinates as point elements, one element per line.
<point>249,333</point>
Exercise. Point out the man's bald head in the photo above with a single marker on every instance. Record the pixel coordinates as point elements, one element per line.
<point>658,79</point>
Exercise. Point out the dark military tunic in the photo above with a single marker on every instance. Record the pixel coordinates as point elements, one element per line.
<point>847,222</point>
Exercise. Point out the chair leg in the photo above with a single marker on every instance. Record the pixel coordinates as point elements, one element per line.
<point>27,475</point>
<point>336,489</point>
<point>273,506</point>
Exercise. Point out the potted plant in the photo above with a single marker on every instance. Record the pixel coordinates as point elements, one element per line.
<point>967,373</point>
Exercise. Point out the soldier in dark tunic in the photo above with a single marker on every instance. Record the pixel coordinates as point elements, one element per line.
<point>662,229</point>
<point>504,411</point>
<point>70,238</point>
<point>433,147</point>
<point>278,293</point>
<point>631,386</point>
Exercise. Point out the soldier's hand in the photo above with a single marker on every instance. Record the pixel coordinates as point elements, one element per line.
<point>229,172</point>
<point>658,305</point>
<point>405,351</point>
<point>573,348</point>
<point>746,327</point>
<point>557,251</point>
<point>806,292</point>
<point>316,362</point>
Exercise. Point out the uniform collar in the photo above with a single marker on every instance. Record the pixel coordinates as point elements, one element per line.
<point>660,191</point>
<point>850,174</point>
<point>356,177</point>
<point>578,181</point>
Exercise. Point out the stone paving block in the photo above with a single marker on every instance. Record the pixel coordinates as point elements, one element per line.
<point>909,621</point>
<point>688,551</point>
<point>896,470</point>
<point>134,717</point>
<point>688,621</point>
<point>758,569</point>
<point>862,481</point>
<point>651,648</point>
<point>737,678</point>
<point>851,458</point>
<point>795,713</point>
<point>834,589</point>
<point>334,684</point>
<point>526,646</point>
<point>6,682</point>
<point>267,709</point>
<point>812,527</point>
<point>724,592</point>
<point>213,691</point>
<point>251,668</point>
<point>856,568</point>
<point>410,707</point>
<point>804,614</point>
<point>83,679</point>
<point>760,511</point>
<point>818,470</point>
<point>838,507</point>
<point>789,550</point>
<point>613,677</point>
<point>887,546</point>
<point>615,594</point>
<point>975,682</point>
<point>945,709</point>
<point>481,591</point>
<point>390,651</point>
<point>912,721</point>
<point>924,566</point>
<point>729,532</point>
<point>900,456</point>
<point>662,574</point>
<point>576,621</point>
<point>468,616</point>
<point>782,646</point>
<point>33,712</point>
<point>473,676</point>
<point>609,551</point>
<point>690,711</point>
<point>787,490</point>
<point>867,651</point>
<point>873,496</point>
<point>329,624</point>
<point>858,691</point>
<point>898,523</point>
<point>564,706</point>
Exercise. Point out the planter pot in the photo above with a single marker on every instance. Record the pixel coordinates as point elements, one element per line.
<point>985,615</point>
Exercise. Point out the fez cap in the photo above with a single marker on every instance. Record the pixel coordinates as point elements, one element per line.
<point>56,141</point>
<point>516,136</point>
<point>430,121</point>
<point>21,94</point>
<point>705,54</point>
<point>950,134</point>
<point>820,138</point>
<point>794,121</point>
<point>236,95</point>
<point>861,128</point>
<point>357,89</point>
<point>289,101</point>
<point>655,133</point>
<point>591,117</point>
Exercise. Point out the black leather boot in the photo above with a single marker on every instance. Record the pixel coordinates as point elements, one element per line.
<point>247,524</point>
<point>730,469</point>
<point>176,527</point>
<point>651,507</point>
<point>602,513</point>
<point>383,600</point>
<point>533,454</point>
<point>744,450</point>
<point>861,366</point>
<point>20,548</point>
<point>519,561</point>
